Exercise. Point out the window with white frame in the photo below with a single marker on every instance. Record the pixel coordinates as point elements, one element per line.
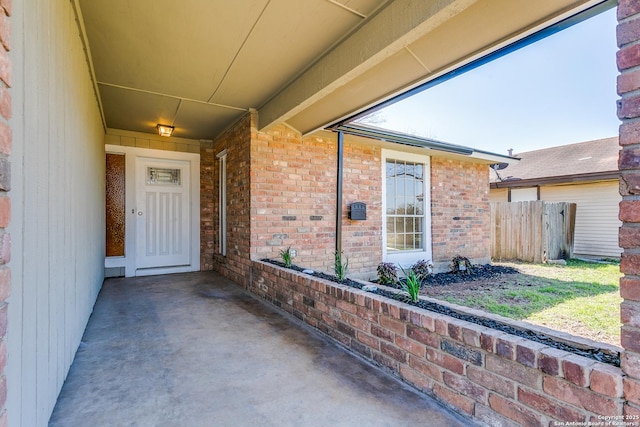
<point>222,200</point>
<point>407,224</point>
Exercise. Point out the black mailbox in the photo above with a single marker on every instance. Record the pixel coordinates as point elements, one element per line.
<point>358,211</point>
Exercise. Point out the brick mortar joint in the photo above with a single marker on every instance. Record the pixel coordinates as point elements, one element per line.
<point>628,94</point>
<point>630,198</point>
<point>628,45</point>
<point>628,19</point>
<point>628,122</point>
<point>629,70</point>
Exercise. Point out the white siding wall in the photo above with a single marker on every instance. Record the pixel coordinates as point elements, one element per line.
<point>57,195</point>
<point>524,194</point>
<point>498,195</point>
<point>596,215</point>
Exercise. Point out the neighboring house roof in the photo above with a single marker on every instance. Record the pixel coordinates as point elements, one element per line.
<point>585,161</point>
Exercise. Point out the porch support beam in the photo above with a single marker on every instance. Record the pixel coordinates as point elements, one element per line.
<point>396,26</point>
<point>340,167</point>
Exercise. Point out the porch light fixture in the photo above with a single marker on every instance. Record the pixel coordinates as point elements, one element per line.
<point>164,130</point>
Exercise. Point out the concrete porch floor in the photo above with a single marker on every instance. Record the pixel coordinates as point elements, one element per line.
<point>197,350</point>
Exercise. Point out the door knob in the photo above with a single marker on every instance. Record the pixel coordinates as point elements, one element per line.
<point>139,213</point>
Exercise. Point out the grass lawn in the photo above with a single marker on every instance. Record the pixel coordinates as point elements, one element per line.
<point>580,298</point>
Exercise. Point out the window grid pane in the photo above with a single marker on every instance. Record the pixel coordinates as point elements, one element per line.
<point>405,205</point>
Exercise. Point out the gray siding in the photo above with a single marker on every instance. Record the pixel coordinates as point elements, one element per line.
<point>57,205</point>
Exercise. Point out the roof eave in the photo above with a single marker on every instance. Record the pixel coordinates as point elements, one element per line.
<point>416,141</point>
<point>566,179</point>
<point>494,158</point>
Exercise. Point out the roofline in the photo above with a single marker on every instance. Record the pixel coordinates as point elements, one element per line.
<point>565,179</point>
<point>417,141</point>
<point>495,157</point>
<point>564,146</point>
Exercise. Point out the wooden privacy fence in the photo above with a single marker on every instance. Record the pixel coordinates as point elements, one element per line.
<point>532,231</point>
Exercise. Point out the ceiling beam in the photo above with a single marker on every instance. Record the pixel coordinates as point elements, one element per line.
<point>395,27</point>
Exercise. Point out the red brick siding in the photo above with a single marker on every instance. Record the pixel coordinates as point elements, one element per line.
<point>208,206</point>
<point>362,182</point>
<point>294,200</point>
<point>460,216</point>
<point>237,142</point>
<point>293,196</point>
<point>498,378</point>
<point>6,141</point>
<point>628,60</point>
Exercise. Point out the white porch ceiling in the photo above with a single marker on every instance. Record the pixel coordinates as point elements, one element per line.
<point>201,64</point>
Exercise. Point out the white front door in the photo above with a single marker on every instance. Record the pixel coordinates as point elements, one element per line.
<point>163,214</point>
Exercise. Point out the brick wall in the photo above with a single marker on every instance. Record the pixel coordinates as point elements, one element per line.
<point>5,202</point>
<point>362,182</point>
<point>294,200</point>
<point>498,378</point>
<point>293,197</point>
<point>460,215</point>
<point>628,59</point>
<point>208,206</point>
<point>237,141</point>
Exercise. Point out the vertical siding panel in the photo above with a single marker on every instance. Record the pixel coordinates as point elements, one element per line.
<point>25,345</point>
<point>44,291</point>
<point>597,223</point>
<point>52,226</point>
<point>41,223</point>
<point>69,248</point>
<point>58,215</point>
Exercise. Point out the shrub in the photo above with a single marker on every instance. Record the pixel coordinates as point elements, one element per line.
<point>387,273</point>
<point>461,265</point>
<point>422,268</point>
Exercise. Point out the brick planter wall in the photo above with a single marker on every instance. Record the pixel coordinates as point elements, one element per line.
<point>498,378</point>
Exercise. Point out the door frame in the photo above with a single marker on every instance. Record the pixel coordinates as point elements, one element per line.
<point>129,260</point>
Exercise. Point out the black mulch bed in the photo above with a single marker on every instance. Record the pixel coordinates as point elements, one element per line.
<point>479,272</point>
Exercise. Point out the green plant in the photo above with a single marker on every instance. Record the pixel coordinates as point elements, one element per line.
<point>461,265</point>
<point>411,284</point>
<point>287,256</point>
<point>341,266</point>
<point>422,268</point>
<point>387,273</point>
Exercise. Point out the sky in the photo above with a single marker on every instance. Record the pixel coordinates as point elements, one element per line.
<point>559,90</point>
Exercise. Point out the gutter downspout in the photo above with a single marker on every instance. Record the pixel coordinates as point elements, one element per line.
<point>340,168</point>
